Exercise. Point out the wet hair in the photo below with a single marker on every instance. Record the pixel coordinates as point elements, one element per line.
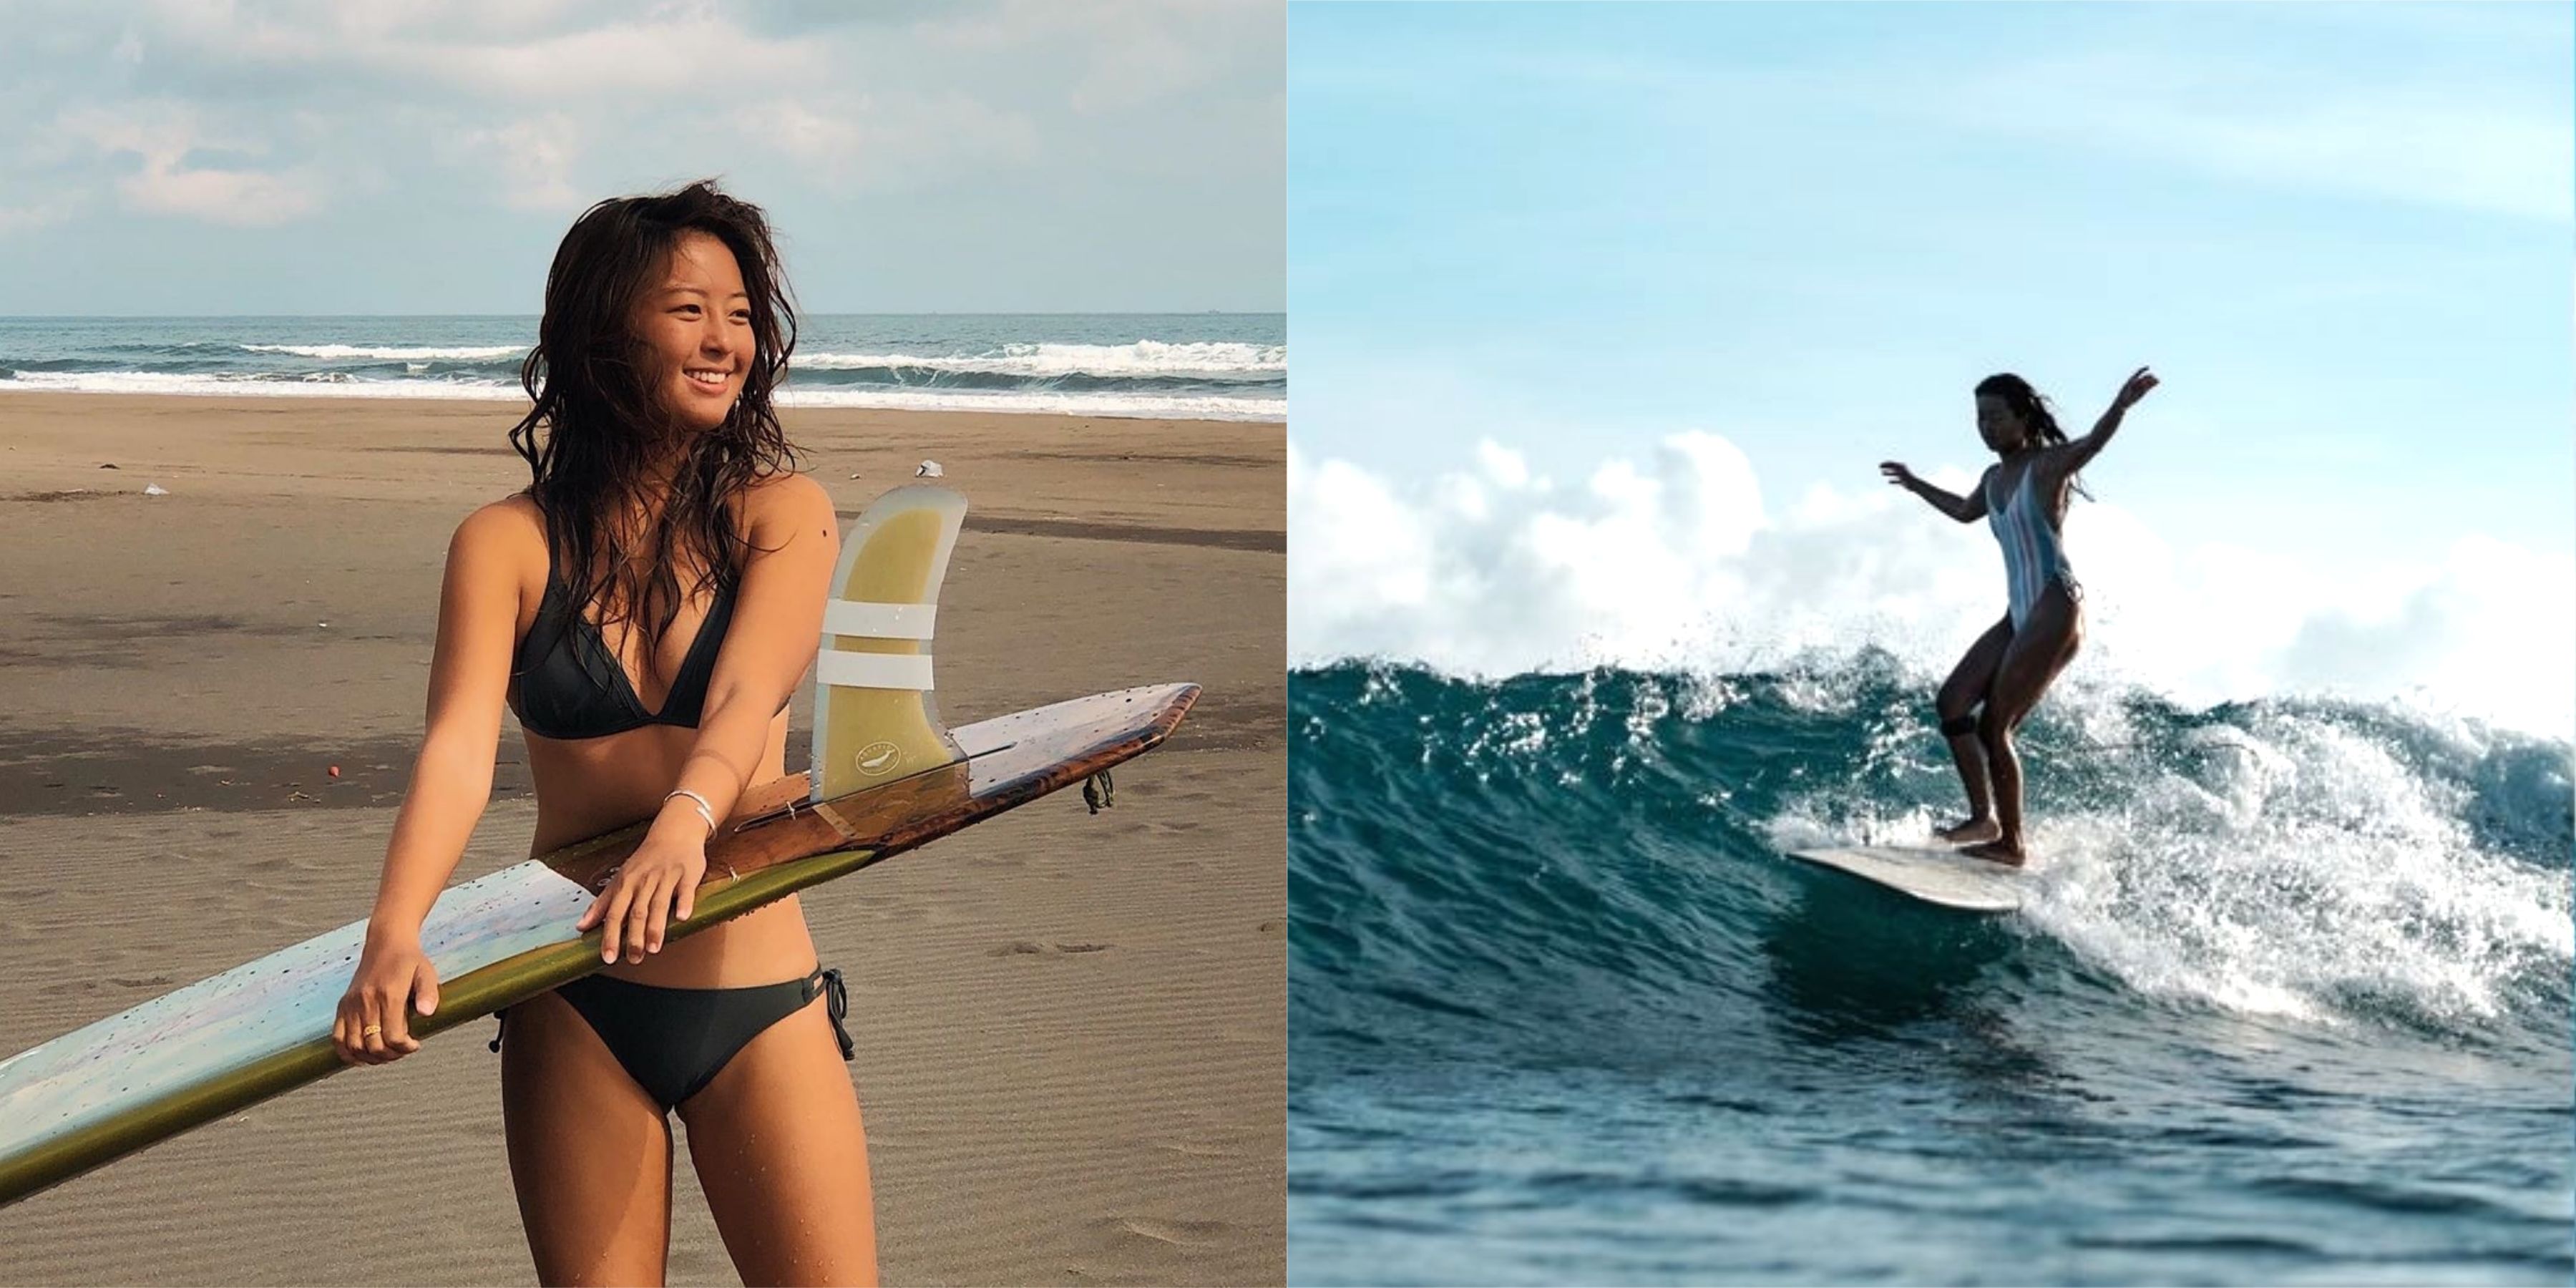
<point>2032,406</point>
<point>604,422</point>
<point>2024,402</point>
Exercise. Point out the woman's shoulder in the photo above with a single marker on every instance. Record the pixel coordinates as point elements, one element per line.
<point>515,516</point>
<point>785,497</point>
<point>509,531</point>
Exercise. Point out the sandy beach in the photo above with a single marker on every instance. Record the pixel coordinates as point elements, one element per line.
<point>1070,1027</point>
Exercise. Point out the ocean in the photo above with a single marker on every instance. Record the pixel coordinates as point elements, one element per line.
<point>1205,366</point>
<point>2290,1003</point>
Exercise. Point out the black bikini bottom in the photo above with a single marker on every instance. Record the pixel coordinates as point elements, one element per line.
<point>674,1041</point>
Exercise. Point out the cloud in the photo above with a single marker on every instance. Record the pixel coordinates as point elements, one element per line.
<point>533,161</point>
<point>164,138</point>
<point>696,59</point>
<point>1677,562</point>
<point>1124,54</point>
<point>883,141</point>
<point>534,101</point>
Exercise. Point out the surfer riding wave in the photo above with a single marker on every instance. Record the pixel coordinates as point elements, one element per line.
<point>2023,498</point>
<point>646,605</point>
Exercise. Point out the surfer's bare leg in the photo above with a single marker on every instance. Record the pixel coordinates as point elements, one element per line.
<point>2047,642</point>
<point>1960,694</point>
<point>590,1153</point>
<point>783,1159</point>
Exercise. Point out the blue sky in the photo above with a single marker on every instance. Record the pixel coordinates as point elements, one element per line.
<point>307,156</point>
<point>2340,233</point>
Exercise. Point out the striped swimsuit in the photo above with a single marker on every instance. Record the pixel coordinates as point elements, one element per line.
<point>2033,555</point>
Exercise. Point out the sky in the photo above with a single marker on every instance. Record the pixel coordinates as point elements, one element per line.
<point>263,157</point>
<point>1606,315</point>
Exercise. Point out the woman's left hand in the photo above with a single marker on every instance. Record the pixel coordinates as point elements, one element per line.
<point>657,885</point>
<point>2140,381</point>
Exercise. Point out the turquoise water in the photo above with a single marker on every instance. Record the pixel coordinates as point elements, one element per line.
<point>1219,366</point>
<point>2290,1004</point>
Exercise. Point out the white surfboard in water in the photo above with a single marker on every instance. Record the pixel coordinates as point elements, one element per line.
<point>1936,875</point>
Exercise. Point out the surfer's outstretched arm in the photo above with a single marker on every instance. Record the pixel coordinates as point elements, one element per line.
<point>2086,448</point>
<point>1965,509</point>
<point>778,614</point>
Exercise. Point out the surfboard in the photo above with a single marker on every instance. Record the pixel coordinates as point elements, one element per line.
<point>885,778</point>
<point>1935,875</point>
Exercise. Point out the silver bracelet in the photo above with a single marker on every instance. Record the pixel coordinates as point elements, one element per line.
<point>705,811</point>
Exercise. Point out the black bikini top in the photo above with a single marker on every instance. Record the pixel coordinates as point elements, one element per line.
<point>577,689</point>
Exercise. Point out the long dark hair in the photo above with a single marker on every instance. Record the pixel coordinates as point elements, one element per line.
<point>2034,410</point>
<point>605,426</point>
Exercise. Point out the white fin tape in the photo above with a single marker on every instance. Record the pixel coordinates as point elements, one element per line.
<point>879,621</point>
<point>873,670</point>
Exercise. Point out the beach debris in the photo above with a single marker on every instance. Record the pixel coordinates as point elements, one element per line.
<point>335,771</point>
<point>299,796</point>
<point>155,489</point>
<point>109,466</point>
<point>928,470</point>
<point>324,625</point>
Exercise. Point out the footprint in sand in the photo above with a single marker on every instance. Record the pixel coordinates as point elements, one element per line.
<point>1177,1233</point>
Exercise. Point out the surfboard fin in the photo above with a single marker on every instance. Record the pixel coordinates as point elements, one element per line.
<point>874,717</point>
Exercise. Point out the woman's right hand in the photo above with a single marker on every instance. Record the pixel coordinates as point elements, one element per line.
<point>1897,473</point>
<point>393,973</point>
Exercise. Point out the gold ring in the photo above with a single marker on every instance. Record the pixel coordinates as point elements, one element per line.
<point>371,1030</point>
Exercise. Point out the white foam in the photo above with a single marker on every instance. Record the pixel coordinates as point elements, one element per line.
<point>320,384</point>
<point>2292,864</point>
<point>2303,871</point>
<point>1143,358</point>
<point>1214,358</point>
<point>1116,405</point>
<point>483,353</point>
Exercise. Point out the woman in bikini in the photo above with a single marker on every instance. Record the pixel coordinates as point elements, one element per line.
<point>2023,498</point>
<point>646,606</point>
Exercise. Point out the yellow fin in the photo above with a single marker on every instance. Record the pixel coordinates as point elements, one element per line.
<point>874,720</point>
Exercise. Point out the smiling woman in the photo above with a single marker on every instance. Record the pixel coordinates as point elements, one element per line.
<point>662,488</point>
